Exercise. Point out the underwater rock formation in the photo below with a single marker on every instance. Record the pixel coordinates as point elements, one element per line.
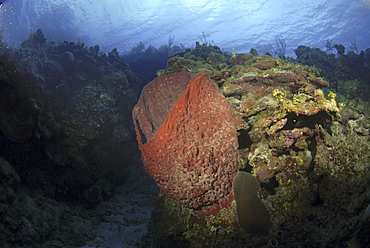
<point>281,105</point>
<point>193,154</point>
<point>351,69</point>
<point>307,145</point>
<point>66,132</point>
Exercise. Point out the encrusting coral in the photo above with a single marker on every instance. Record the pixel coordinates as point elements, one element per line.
<point>66,134</point>
<point>289,139</point>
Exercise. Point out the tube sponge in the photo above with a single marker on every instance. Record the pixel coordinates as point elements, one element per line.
<point>253,215</point>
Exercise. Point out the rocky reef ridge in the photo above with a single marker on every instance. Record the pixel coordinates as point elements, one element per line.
<point>305,142</point>
<point>66,138</point>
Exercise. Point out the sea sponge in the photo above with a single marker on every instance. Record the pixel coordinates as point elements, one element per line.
<point>253,215</point>
<point>189,145</point>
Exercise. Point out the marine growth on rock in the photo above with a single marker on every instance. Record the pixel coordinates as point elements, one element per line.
<point>293,134</point>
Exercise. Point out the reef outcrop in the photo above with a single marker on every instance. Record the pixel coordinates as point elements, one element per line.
<point>66,135</point>
<point>305,143</point>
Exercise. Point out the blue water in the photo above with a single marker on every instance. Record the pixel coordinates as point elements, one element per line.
<point>233,25</point>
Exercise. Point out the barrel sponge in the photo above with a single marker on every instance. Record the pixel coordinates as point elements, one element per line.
<point>253,215</point>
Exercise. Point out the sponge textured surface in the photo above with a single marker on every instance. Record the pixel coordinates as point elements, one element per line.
<point>193,154</point>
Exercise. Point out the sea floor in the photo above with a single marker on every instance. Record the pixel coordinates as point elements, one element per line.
<point>127,213</point>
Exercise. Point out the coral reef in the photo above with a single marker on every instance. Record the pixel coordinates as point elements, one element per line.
<point>306,143</point>
<point>350,67</point>
<point>65,130</point>
<point>296,137</point>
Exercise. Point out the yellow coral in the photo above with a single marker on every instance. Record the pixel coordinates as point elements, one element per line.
<point>332,95</point>
<point>278,94</point>
<point>299,98</point>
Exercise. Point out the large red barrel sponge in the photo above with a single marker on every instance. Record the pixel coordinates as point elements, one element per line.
<point>155,103</point>
<point>193,154</point>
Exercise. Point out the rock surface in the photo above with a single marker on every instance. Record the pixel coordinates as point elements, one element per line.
<point>125,217</point>
<point>308,146</point>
